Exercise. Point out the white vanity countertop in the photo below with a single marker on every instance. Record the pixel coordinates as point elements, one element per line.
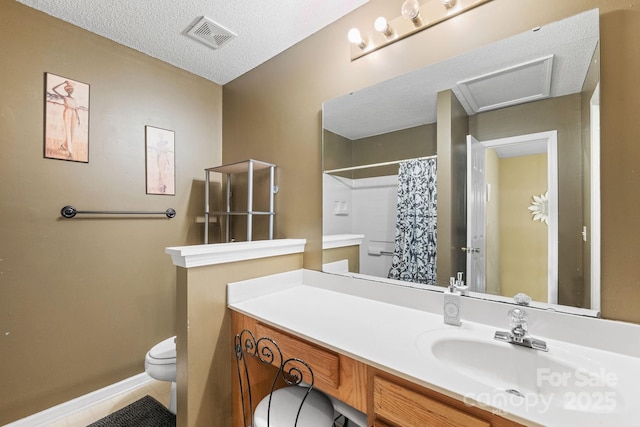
<point>385,326</point>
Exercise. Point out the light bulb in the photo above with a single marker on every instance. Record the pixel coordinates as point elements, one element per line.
<point>355,38</point>
<point>411,11</point>
<point>381,25</point>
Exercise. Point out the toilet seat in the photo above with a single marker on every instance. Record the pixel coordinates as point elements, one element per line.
<point>160,361</point>
<point>163,353</point>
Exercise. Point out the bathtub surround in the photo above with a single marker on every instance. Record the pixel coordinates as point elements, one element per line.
<point>371,204</point>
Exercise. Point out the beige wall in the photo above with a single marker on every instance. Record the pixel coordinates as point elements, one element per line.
<point>337,152</point>
<point>520,179</point>
<point>349,253</point>
<point>340,152</point>
<point>204,340</point>
<point>398,145</point>
<point>453,128</point>
<point>282,99</point>
<point>82,300</point>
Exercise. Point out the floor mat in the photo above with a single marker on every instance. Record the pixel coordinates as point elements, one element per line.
<point>145,412</point>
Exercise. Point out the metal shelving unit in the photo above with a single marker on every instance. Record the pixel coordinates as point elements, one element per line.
<point>248,167</point>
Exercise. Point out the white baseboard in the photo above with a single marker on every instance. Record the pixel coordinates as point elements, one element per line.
<point>63,410</point>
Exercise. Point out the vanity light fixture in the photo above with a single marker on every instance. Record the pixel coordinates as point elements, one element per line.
<point>414,17</point>
<point>356,39</point>
<point>411,11</point>
<point>382,26</point>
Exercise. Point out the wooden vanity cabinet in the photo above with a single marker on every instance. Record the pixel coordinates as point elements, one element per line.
<point>395,402</point>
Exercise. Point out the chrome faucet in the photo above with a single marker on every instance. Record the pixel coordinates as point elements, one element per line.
<point>519,334</point>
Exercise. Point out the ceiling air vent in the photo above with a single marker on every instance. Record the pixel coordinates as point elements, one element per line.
<point>525,82</point>
<point>208,32</point>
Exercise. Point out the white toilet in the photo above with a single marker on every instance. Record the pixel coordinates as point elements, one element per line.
<point>160,364</point>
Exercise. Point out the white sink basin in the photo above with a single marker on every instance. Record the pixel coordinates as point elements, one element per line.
<point>566,378</point>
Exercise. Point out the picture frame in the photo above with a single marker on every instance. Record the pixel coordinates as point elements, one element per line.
<point>160,161</point>
<point>66,131</point>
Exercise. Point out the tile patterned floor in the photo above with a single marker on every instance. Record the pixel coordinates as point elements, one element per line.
<point>159,390</point>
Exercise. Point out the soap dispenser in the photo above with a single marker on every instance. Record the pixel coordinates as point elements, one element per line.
<point>451,308</point>
<point>460,286</point>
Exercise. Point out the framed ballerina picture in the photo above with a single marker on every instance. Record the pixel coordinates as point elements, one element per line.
<point>66,134</point>
<point>160,161</point>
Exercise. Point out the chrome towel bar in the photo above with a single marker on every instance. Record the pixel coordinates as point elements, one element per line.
<point>70,212</point>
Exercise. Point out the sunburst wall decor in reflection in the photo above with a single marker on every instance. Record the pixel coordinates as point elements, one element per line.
<point>540,208</point>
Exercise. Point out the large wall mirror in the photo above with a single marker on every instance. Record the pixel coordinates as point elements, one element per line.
<point>503,143</point>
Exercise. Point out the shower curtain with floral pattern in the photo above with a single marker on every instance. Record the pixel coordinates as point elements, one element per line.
<point>414,255</point>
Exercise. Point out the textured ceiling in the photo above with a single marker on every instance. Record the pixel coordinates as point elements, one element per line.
<point>410,100</point>
<point>264,28</point>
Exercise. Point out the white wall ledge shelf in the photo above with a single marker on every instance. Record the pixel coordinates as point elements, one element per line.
<point>331,241</point>
<point>221,253</point>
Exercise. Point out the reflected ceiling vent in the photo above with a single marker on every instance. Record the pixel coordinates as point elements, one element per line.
<point>525,82</point>
<point>210,33</point>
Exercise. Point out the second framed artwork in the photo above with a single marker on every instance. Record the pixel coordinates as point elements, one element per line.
<point>160,161</point>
